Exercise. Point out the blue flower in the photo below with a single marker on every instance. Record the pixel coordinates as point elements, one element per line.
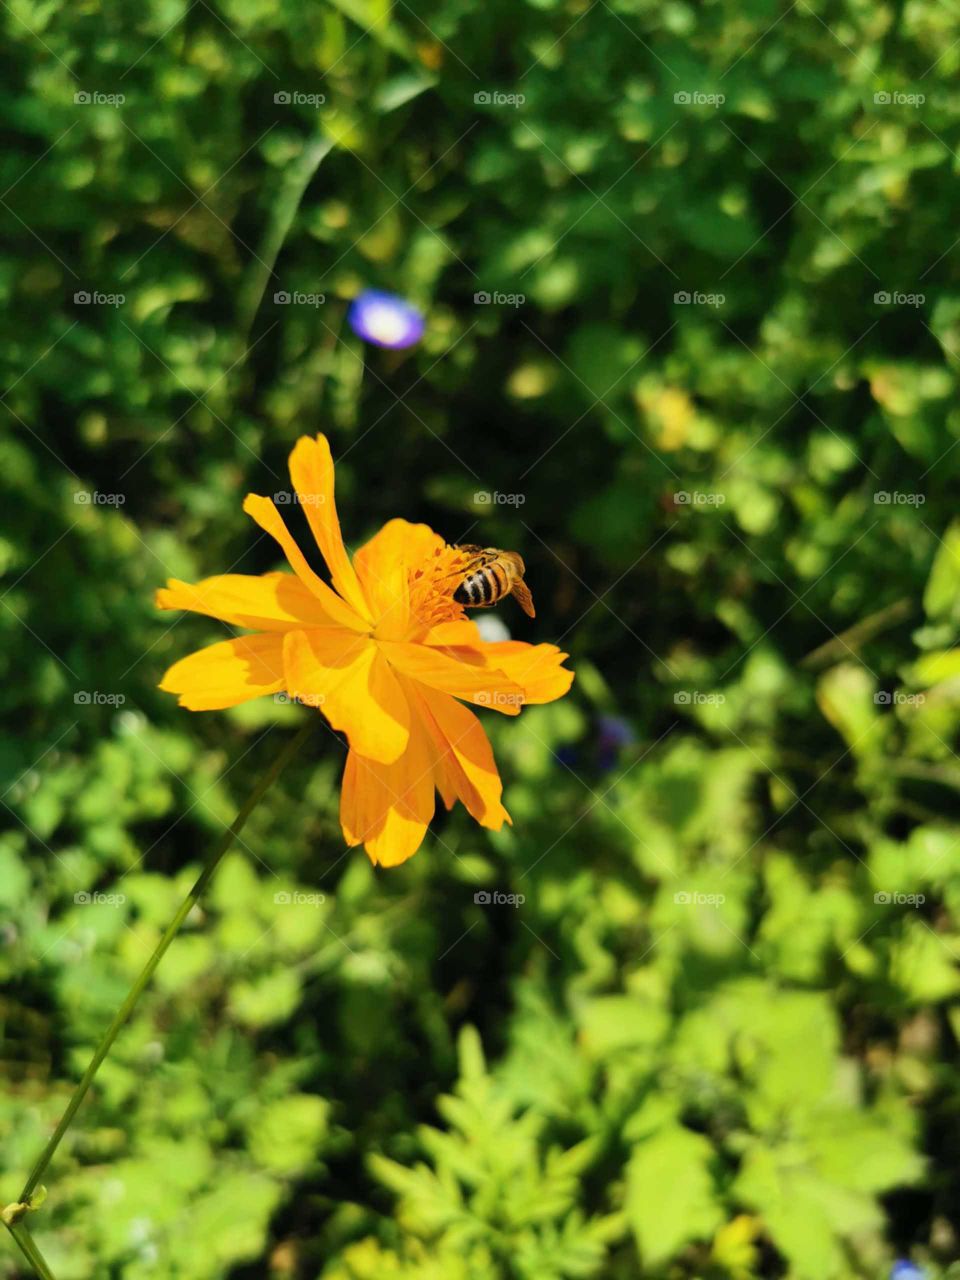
<point>385,319</point>
<point>904,1269</point>
<point>614,733</point>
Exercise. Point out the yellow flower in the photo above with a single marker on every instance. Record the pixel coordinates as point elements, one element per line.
<point>384,654</point>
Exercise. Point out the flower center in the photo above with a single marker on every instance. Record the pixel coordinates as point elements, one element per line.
<point>432,586</point>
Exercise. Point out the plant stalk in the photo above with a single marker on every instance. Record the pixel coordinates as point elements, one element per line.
<point>296,181</point>
<point>136,991</point>
<point>25,1243</point>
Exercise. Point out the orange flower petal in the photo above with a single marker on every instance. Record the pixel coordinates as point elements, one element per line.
<point>464,758</point>
<point>465,633</point>
<point>347,679</point>
<point>311,470</point>
<point>536,668</point>
<point>270,521</point>
<point>478,684</point>
<point>271,602</point>
<point>398,540</point>
<point>228,673</point>
<point>388,807</point>
<point>383,564</point>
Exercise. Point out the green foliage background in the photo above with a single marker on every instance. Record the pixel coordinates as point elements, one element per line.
<point>611,1079</point>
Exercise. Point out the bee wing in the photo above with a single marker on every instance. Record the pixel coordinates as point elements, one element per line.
<point>524,599</point>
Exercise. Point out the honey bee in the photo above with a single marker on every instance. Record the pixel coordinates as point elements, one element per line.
<point>490,575</point>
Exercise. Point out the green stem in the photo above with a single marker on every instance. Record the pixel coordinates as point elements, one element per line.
<point>296,181</point>
<point>851,639</point>
<point>28,1248</point>
<point>125,1010</point>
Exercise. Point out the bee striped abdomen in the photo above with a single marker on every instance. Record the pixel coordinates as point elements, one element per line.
<point>480,588</point>
<point>491,575</point>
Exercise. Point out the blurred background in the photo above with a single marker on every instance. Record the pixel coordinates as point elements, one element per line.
<point>691,279</point>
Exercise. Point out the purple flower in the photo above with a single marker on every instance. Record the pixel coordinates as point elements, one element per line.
<point>903,1269</point>
<point>613,734</point>
<point>385,319</point>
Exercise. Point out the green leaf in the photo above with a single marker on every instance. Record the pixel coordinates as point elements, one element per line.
<point>401,90</point>
<point>941,596</point>
<point>287,1134</point>
<point>671,1197</point>
<point>610,1023</point>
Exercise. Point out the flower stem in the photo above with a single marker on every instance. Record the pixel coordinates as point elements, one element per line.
<point>29,1250</point>
<point>136,991</point>
<point>296,181</point>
